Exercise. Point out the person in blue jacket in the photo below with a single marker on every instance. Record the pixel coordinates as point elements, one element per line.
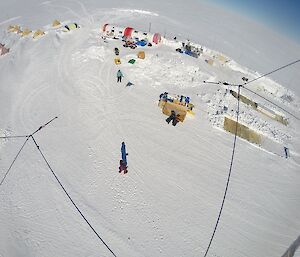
<point>123,161</point>
<point>187,100</point>
<point>119,76</point>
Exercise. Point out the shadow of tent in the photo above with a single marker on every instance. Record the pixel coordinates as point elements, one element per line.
<point>129,84</point>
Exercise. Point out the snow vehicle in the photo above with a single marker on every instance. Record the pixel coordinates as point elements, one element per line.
<point>130,44</point>
<point>117,51</point>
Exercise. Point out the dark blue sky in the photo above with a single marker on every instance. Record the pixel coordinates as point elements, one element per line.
<point>281,15</point>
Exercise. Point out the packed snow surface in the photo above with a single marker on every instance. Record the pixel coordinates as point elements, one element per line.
<point>168,202</point>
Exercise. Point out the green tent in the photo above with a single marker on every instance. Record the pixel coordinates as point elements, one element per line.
<point>132,61</point>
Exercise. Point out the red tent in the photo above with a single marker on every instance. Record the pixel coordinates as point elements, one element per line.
<point>128,32</point>
<point>156,38</point>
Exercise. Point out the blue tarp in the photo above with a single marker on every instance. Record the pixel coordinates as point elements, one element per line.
<point>141,43</point>
<point>190,53</point>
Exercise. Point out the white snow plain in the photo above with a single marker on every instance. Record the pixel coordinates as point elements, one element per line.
<point>168,202</point>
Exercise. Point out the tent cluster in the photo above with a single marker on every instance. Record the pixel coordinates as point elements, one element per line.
<point>176,107</point>
<point>131,37</point>
<point>217,58</point>
<point>23,32</point>
<point>189,49</point>
<point>196,51</point>
<point>140,55</point>
<point>221,58</point>
<point>66,27</point>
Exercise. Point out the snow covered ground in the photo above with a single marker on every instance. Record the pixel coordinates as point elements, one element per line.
<point>168,203</point>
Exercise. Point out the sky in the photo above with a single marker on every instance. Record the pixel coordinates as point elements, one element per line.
<point>281,15</point>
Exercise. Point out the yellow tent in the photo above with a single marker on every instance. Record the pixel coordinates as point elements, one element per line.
<point>210,61</point>
<point>141,55</point>
<point>38,33</point>
<point>55,23</point>
<point>25,32</point>
<point>14,28</point>
<point>221,58</point>
<point>117,61</point>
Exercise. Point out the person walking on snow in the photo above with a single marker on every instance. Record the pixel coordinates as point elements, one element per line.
<point>119,76</point>
<point>123,161</point>
<point>175,120</point>
<point>171,117</point>
<point>187,100</point>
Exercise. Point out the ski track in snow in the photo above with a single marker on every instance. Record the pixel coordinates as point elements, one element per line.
<point>9,20</point>
<point>135,11</point>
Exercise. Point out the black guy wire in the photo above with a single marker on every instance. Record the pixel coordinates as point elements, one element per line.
<point>226,84</point>
<point>229,173</point>
<point>43,125</point>
<point>70,196</point>
<point>28,136</point>
<point>246,83</point>
<point>271,102</point>
<point>13,161</point>
<point>273,71</point>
